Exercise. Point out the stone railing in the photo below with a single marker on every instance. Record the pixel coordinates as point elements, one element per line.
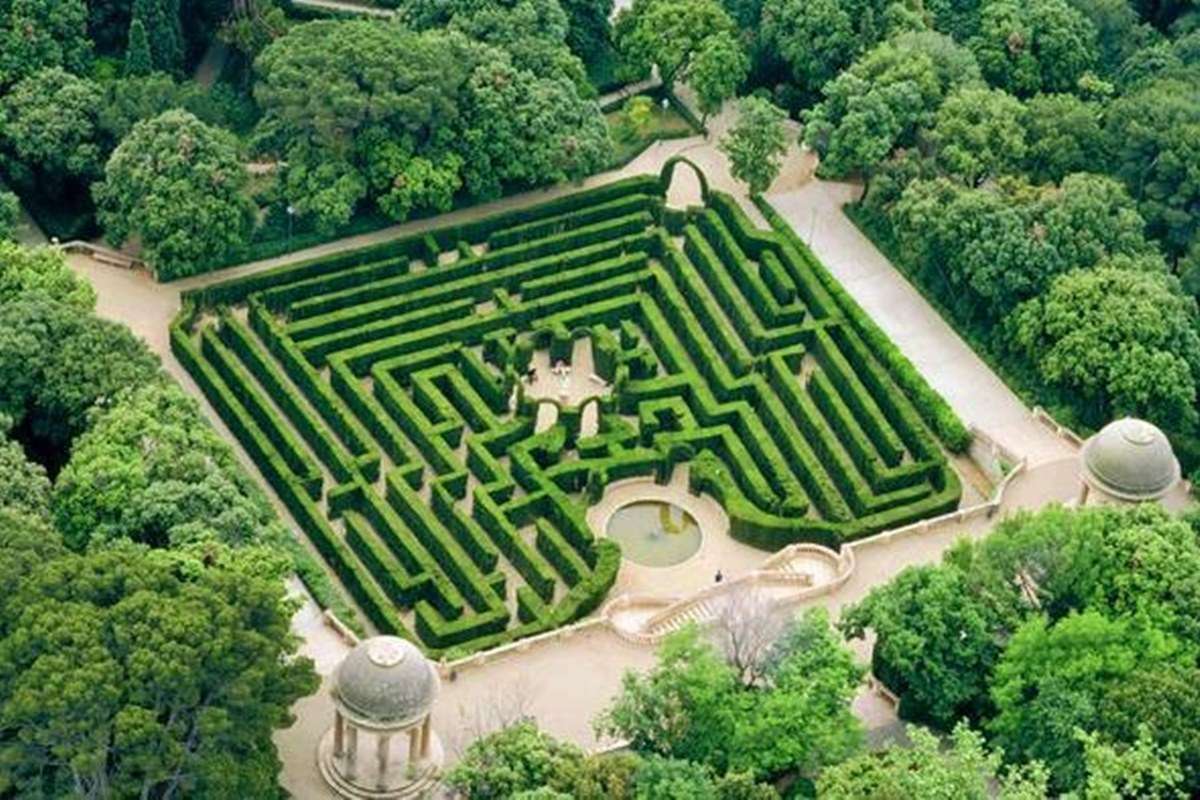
<point>446,668</point>
<point>1061,431</point>
<point>340,628</point>
<point>104,255</point>
<point>993,458</point>
<point>673,608</point>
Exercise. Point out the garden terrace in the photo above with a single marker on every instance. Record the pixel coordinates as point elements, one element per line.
<point>381,393</point>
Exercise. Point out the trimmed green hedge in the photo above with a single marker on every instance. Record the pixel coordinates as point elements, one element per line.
<point>382,393</point>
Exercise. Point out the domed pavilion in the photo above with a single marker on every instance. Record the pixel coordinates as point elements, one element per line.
<point>1130,461</point>
<point>381,744</point>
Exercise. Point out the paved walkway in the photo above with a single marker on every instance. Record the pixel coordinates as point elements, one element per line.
<point>947,362</point>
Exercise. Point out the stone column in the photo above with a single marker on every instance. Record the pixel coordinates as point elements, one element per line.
<point>425,735</point>
<point>339,734</point>
<point>414,743</point>
<point>352,751</point>
<point>383,748</point>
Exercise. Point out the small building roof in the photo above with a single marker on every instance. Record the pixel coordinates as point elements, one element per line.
<point>385,681</point>
<point>1130,459</point>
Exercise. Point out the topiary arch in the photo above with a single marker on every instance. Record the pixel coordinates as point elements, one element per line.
<point>668,174</point>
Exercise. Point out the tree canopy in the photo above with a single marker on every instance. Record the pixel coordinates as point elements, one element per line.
<point>1031,46</point>
<point>1121,340</point>
<point>360,109</point>
<point>796,719</point>
<point>178,185</point>
<point>50,121</point>
<point>672,35</point>
<point>756,143</point>
<point>127,673</point>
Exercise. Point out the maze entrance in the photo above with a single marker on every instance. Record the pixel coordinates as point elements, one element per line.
<point>382,394</point>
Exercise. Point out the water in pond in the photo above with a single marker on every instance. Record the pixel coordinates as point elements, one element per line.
<point>653,533</point>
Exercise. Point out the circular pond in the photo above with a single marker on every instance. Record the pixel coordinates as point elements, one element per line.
<point>654,533</point>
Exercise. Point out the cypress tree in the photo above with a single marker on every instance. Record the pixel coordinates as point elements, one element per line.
<point>161,20</point>
<point>138,60</point>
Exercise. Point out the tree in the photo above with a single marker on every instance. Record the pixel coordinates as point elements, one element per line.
<point>717,70</point>
<point>1144,769</point>
<point>149,469</point>
<point>10,212</point>
<point>820,38</point>
<point>1092,218</point>
<point>975,244</point>
<point>532,32</point>
<point>747,627</point>
<point>1031,46</point>
<point>800,721</point>
<point>49,120</point>
<point>756,143</point>
<point>521,130</point>
<point>519,758</point>
<point>24,487</point>
<point>979,134</point>
<point>1163,702</point>
<point>682,708</point>
<point>1121,341</point>
<point>989,248</point>
<point>252,25</point>
<point>1153,135</point>
<point>451,110</point>
<point>673,779</point>
<point>966,770</point>
<point>138,61</point>
<point>1119,32</point>
<point>1051,678</point>
<point>56,363</point>
<point>1065,135</point>
<point>177,184</point>
<point>128,674</point>
<point>693,707</point>
<point>29,272</point>
<point>164,31</point>
<point>636,116</point>
<point>588,32</point>
<point>884,99</point>
<point>670,34</point>
<point>129,100</point>
<point>936,642</point>
<point>43,34</point>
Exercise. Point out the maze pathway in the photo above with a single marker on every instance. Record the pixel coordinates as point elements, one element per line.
<point>381,393</point>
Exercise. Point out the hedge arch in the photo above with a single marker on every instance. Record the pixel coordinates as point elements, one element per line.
<point>668,174</point>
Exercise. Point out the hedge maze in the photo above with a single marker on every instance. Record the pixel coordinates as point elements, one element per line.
<point>379,392</point>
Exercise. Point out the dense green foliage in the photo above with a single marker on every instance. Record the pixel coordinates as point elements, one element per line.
<point>177,185</point>
<point>794,719</point>
<point>129,670</point>
<point>965,770</point>
<point>362,109</point>
<point>696,729</point>
<point>756,144</point>
<point>992,137</point>
<point>1049,627</point>
<point>701,344</point>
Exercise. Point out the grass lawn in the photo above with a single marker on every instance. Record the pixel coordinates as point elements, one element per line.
<point>664,124</point>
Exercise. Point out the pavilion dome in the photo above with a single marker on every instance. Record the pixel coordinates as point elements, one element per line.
<point>1130,459</point>
<point>385,680</point>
